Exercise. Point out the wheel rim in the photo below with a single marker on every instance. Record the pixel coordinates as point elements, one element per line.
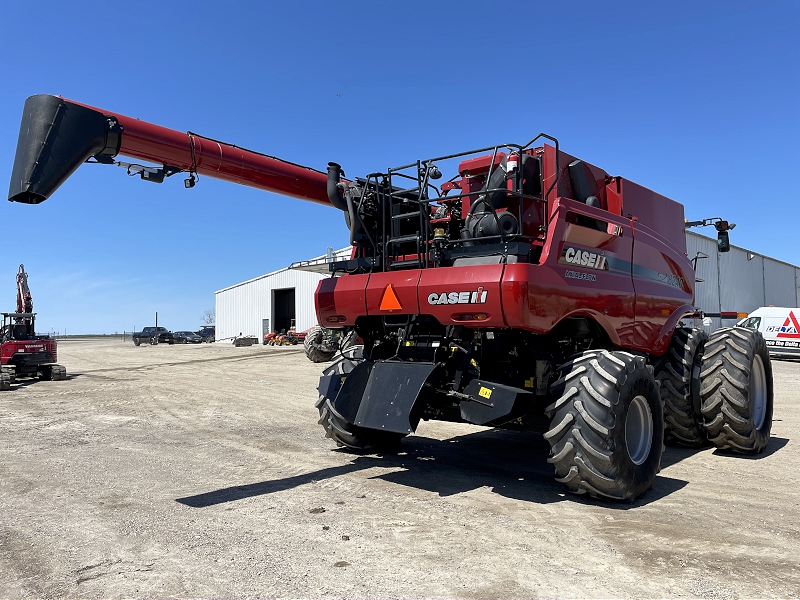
<point>758,392</point>
<point>639,430</point>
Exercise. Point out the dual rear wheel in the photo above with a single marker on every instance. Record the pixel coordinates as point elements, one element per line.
<point>718,389</point>
<point>611,411</point>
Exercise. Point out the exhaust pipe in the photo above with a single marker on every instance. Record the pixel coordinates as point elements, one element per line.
<point>334,193</point>
<point>55,138</point>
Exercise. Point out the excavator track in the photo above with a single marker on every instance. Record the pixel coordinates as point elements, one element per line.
<point>53,373</point>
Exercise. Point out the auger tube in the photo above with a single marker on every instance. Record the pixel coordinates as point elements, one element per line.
<point>58,135</point>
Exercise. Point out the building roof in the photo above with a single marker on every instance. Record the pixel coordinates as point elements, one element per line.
<point>700,235</point>
<point>315,262</point>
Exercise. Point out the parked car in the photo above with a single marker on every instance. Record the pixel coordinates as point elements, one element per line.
<point>779,326</point>
<point>187,337</point>
<point>207,332</point>
<point>153,335</point>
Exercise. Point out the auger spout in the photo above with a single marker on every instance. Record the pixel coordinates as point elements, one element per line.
<point>58,135</point>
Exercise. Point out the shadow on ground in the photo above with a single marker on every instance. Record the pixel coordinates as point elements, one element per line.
<point>675,454</point>
<point>513,465</point>
<point>23,382</point>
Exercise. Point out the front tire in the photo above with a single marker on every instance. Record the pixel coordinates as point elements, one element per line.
<point>337,427</point>
<point>315,348</point>
<point>679,376</point>
<point>736,390</point>
<point>606,425</point>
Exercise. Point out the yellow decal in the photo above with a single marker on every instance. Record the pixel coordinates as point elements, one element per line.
<point>485,392</point>
<point>343,378</point>
<point>529,383</point>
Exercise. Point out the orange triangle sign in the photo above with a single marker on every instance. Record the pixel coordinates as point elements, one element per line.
<point>389,300</point>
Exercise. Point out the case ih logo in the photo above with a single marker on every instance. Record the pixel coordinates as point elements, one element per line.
<point>790,328</point>
<point>473,297</point>
<point>583,258</point>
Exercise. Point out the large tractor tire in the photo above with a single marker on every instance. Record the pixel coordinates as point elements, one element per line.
<point>606,425</point>
<point>348,340</point>
<point>316,349</point>
<point>339,429</point>
<point>736,390</point>
<point>679,375</point>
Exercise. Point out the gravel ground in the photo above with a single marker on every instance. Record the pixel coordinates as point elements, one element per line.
<point>200,471</point>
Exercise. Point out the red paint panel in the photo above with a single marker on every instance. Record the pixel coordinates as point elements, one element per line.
<point>655,211</point>
<point>9,349</point>
<point>462,283</point>
<point>160,145</point>
<point>480,164</point>
<point>404,284</point>
<point>341,296</point>
<point>664,284</point>
<point>538,297</point>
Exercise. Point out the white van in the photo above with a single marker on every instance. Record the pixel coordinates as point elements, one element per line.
<point>779,326</point>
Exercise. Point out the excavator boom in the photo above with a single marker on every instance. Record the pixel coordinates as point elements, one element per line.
<point>24,298</point>
<point>58,135</point>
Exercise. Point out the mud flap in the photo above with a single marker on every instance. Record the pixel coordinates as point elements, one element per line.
<point>493,402</point>
<point>329,385</point>
<point>386,396</point>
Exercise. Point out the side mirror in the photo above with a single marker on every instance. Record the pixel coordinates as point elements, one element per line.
<point>723,243</point>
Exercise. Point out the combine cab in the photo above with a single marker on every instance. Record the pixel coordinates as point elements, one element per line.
<point>527,290</point>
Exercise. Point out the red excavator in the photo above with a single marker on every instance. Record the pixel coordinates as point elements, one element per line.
<point>23,353</point>
<point>527,290</point>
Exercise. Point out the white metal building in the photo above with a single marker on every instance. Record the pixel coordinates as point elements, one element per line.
<point>271,302</point>
<point>737,281</point>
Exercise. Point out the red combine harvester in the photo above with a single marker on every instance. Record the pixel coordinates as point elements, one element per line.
<point>23,353</point>
<point>530,290</point>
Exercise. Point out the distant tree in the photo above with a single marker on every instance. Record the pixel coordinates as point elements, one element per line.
<point>208,317</point>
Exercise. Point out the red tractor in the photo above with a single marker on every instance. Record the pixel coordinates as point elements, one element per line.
<point>23,353</point>
<point>528,290</point>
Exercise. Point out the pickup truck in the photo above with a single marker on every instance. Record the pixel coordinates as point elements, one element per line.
<point>207,332</point>
<point>153,335</point>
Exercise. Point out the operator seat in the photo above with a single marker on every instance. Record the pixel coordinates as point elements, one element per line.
<point>21,331</point>
<point>584,189</point>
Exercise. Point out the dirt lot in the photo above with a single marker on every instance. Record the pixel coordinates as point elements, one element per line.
<point>201,471</point>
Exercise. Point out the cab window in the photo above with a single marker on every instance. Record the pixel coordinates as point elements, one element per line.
<point>751,323</point>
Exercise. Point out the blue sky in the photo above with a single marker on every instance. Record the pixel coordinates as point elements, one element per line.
<point>696,100</point>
